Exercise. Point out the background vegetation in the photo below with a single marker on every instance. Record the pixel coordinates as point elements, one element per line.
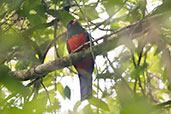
<point>133,78</point>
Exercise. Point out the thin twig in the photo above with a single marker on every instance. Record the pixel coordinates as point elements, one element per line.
<point>145,81</point>
<point>47,92</point>
<point>120,76</point>
<point>139,60</point>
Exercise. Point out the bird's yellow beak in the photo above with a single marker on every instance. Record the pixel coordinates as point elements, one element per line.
<point>75,20</point>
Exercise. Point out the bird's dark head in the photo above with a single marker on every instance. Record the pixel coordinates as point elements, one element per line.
<point>74,24</point>
<point>74,27</point>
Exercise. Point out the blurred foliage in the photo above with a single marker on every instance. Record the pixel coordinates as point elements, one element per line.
<point>135,81</point>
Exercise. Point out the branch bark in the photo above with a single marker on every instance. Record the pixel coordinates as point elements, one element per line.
<point>50,66</point>
<point>114,39</point>
<point>167,103</point>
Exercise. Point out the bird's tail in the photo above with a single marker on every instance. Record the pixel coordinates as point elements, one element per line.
<point>85,86</point>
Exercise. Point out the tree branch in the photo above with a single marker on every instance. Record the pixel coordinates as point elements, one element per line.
<point>62,62</point>
<point>113,40</point>
<point>167,103</point>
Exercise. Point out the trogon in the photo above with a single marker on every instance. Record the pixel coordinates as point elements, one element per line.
<point>76,37</point>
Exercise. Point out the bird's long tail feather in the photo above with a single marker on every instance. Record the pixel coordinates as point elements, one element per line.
<point>85,86</point>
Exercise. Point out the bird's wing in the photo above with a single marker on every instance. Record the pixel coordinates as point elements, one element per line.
<point>68,47</point>
<point>87,35</point>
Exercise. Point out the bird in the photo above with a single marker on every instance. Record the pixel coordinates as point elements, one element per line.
<point>77,36</point>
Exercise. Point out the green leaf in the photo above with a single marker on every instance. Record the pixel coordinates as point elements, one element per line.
<point>61,49</point>
<point>13,5</point>
<point>164,76</point>
<point>64,16</point>
<point>137,106</point>
<point>67,92</point>
<point>155,64</point>
<point>115,25</point>
<point>38,105</point>
<point>90,12</point>
<point>77,104</point>
<point>61,89</point>
<point>34,11</point>
<point>98,103</point>
<point>35,19</point>
<point>112,6</point>
<point>87,110</point>
<point>12,110</point>
<point>13,84</point>
<point>6,42</point>
<point>56,106</point>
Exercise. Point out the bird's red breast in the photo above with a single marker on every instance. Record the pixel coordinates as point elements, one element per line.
<point>76,41</point>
